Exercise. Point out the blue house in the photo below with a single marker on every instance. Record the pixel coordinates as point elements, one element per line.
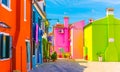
<point>38,27</point>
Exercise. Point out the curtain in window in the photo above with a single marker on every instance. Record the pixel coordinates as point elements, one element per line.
<point>4,46</point>
<point>10,46</point>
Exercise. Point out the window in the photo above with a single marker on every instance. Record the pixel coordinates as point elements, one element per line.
<point>40,43</point>
<point>28,50</point>
<point>5,46</point>
<point>33,16</point>
<point>25,10</point>
<point>33,47</point>
<point>6,3</point>
<point>44,7</point>
<point>61,31</point>
<point>39,22</point>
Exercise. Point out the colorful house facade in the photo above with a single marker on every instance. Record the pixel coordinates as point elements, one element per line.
<point>15,19</point>
<point>51,43</point>
<point>38,29</point>
<point>76,37</point>
<point>101,38</point>
<point>62,37</point>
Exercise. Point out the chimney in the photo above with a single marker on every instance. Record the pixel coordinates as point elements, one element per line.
<point>66,21</point>
<point>91,20</point>
<point>109,11</point>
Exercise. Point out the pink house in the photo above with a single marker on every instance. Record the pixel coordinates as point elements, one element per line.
<point>62,37</point>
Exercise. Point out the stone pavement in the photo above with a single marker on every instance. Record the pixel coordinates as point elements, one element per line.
<point>64,65</point>
<point>60,66</point>
<point>102,67</point>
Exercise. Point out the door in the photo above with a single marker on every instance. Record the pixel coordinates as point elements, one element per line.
<point>28,54</point>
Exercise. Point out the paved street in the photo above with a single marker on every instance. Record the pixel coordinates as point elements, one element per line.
<point>79,66</point>
<point>60,66</point>
<point>102,67</point>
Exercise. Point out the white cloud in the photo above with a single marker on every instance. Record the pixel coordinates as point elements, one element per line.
<point>108,1</point>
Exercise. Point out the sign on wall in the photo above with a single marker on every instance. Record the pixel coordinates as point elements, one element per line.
<point>111,39</point>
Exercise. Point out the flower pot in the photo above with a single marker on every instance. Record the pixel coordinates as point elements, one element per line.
<point>60,56</point>
<point>44,60</point>
<point>100,59</point>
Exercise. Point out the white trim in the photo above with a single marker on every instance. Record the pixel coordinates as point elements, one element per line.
<point>5,59</point>
<point>27,40</point>
<point>25,10</point>
<point>25,20</point>
<point>7,34</point>
<point>6,7</point>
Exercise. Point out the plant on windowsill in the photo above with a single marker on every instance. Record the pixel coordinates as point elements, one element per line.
<point>100,56</point>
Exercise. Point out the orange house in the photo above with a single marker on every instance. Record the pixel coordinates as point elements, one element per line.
<point>76,37</point>
<point>15,24</point>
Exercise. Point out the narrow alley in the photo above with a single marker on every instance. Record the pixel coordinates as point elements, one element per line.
<point>60,66</point>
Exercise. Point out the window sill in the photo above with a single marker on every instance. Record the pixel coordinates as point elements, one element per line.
<point>25,20</point>
<point>5,59</point>
<point>7,8</point>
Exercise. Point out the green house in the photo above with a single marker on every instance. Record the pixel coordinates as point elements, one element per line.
<point>102,38</point>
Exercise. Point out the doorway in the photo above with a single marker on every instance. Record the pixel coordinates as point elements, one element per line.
<point>28,54</point>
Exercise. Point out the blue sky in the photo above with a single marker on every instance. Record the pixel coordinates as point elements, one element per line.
<point>79,9</point>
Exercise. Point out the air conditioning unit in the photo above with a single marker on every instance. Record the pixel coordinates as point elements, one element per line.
<point>61,31</point>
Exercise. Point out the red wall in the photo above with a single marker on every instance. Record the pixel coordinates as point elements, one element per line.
<point>20,30</point>
<point>8,17</point>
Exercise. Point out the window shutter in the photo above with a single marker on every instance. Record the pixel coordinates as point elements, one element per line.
<point>1,46</point>
<point>10,46</point>
<point>4,46</point>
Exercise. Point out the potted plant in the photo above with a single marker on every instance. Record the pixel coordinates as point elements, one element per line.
<point>65,55</point>
<point>100,56</point>
<point>54,56</point>
<point>45,58</point>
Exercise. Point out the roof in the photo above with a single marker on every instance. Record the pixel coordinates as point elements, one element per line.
<point>104,21</point>
<point>61,25</point>
<point>50,34</point>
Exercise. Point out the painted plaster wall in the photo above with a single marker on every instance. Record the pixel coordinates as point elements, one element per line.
<point>37,38</point>
<point>99,40</point>
<point>15,19</point>
<point>78,40</point>
<point>59,40</point>
<point>9,18</point>
<point>102,31</point>
<point>88,42</point>
<point>62,40</point>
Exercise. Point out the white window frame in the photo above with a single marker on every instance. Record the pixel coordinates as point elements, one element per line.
<point>25,10</point>
<point>6,7</point>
